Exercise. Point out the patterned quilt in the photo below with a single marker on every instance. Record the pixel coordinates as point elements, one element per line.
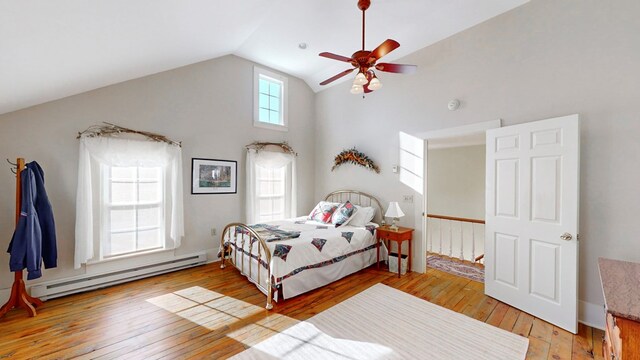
<point>316,246</point>
<point>270,232</point>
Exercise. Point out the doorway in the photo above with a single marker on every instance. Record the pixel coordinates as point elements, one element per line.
<point>453,138</point>
<point>532,207</point>
<point>456,205</point>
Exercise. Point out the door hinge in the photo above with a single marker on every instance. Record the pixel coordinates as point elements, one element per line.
<point>578,237</point>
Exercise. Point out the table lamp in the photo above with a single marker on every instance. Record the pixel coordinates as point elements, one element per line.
<point>394,211</point>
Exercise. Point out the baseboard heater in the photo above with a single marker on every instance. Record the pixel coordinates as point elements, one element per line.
<point>62,287</point>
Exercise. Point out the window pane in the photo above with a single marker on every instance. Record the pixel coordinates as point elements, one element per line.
<point>264,115</point>
<point>274,103</point>
<point>264,187</point>
<point>149,217</point>
<point>149,173</point>
<point>264,86</point>
<point>149,239</point>
<point>123,219</point>
<point>122,243</point>
<point>274,89</point>
<point>278,205</point>
<point>274,117</point>
<point>123,193</point>
<point>265,206</point>
<point>123,173</point>
<point>264,101</point>
<point>149,192</point>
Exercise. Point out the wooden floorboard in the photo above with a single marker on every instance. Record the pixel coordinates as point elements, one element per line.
<point>224,314</point>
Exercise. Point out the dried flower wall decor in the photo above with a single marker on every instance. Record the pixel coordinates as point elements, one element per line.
<point>354,156</point>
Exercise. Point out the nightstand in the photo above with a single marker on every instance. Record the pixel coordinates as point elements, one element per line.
<point>400,235</point>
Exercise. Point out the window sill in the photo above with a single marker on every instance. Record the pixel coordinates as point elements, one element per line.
<point>259,124</point>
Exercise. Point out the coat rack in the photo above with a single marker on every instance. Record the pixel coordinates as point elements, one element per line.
<point>19,297</point>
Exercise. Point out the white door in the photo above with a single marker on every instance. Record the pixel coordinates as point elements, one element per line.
<point>531,246</point>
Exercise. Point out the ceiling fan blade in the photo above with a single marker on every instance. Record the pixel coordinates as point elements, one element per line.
<point>386,47</point>
<point>336,57</point>
<point>336,77</point>
<point>397,68</point>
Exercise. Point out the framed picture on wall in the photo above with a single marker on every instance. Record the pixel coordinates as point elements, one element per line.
<point>211,176</point>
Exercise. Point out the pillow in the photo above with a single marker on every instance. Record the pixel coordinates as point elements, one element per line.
<point>343,213</point>
<point>362,216</point>
<point>323,211</point>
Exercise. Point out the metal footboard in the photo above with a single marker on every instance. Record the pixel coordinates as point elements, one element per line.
<point>232,244</point>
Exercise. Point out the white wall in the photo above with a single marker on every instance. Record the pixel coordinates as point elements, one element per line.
<point>207,106</point>
<point>455,180</point>
<point>547,58</point>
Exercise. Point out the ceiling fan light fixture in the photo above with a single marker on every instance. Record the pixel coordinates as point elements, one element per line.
<point>360,79</point>
<point>357,89</point>
<point>375,84</point>
<point>365,61</point>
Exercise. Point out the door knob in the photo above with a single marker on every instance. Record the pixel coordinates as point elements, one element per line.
<point>566,236</point>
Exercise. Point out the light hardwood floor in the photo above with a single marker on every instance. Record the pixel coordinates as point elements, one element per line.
<point>147,320</point>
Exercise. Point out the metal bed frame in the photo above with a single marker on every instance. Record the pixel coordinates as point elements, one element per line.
<point>237,234</point>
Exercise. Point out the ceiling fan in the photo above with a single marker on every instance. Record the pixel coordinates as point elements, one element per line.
<point>366,80</point>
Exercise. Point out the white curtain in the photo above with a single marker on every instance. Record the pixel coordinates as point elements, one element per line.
<point>124,152</point>
<point>270,160</point>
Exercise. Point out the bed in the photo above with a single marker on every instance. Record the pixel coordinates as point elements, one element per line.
<point>289,257</point>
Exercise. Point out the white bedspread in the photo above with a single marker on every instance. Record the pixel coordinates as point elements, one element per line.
<point>320,255</point>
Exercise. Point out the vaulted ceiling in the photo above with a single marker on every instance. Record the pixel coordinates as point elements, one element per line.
<point>50,49</point>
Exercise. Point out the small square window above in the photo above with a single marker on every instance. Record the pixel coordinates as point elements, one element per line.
<point>270,100</point>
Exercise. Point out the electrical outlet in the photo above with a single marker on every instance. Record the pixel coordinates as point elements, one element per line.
<point>214,231</point>
<point>408,199</point>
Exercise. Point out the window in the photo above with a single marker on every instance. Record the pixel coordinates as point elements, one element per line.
<point>132,210</point>
<point>271,193</point>
<point>129,200</point>
<point>270,100</point>
<point>271,186</point>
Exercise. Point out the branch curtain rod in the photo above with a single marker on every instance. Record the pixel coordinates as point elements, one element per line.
<point>284,146</point>
<point>110,129</point>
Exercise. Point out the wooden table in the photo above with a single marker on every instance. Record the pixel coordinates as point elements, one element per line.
<point>400,235</point>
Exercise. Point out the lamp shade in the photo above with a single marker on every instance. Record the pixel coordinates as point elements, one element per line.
<point>375,84</point>
<point>360,79</point>
<point>394,210</point>
<point>357,89</point>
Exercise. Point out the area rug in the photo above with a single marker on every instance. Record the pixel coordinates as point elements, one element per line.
<point>456,268</point>
<point>384,323</point>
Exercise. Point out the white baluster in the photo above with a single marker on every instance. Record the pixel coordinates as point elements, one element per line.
<point>440,229</point>
<point>430,236</point>
<point>461,242</point>
<point>450,238</point>
<point>473,243</point>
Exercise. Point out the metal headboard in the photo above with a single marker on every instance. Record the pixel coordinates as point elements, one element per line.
<point>357,198</point>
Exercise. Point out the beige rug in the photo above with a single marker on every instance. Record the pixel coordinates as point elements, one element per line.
<point>385,323</point>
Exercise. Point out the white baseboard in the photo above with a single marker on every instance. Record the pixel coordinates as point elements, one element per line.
<point>591,314</point>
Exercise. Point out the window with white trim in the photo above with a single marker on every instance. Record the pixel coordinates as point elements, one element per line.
<point>270,100</point>
<point>132,211</point>
<point>271,193</point>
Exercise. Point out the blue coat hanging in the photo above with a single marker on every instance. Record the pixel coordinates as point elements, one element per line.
<point>34,240</point>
